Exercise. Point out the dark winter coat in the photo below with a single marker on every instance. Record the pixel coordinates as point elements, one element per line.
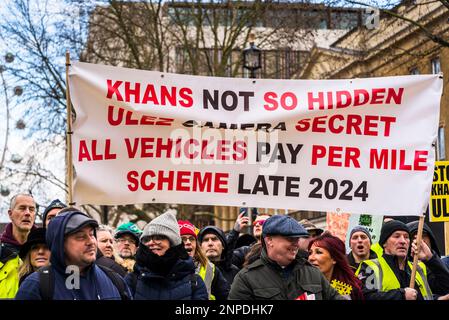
<point>264,279</point>
<point>157,278</point>
<point>438,273</point>
<point>111,264</point>
<point>220,286</point>
<point>239,254</point>
<point>354,265</point>
<point>94,284</point>
<point>225,265</point>
<point>434,266</point>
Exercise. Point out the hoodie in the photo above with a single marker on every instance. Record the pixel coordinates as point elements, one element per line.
<point>413,227</point>
<point>93,285</point>
<point>437,274</point>
<point>225,264</point>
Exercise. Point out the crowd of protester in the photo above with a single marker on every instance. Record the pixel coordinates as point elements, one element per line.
<point>72,257</point>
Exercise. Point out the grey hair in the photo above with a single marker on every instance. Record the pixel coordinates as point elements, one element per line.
<point>12,203</point>
<point>103,227</point>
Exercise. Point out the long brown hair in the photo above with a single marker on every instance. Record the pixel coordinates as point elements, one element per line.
<point>199,255</point>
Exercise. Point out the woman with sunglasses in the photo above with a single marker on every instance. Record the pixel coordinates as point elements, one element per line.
<point>163,269</point>
<point>239,254</point>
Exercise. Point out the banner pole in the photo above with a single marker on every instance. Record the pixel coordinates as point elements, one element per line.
<point>69,165</point>
<point>418,246</point>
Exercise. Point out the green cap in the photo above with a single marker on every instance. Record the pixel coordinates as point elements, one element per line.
<point>128,228</point>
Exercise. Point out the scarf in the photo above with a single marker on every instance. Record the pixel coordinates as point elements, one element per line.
<point>160,264</point>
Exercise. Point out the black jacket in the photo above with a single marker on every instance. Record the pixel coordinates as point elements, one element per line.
<point>225,264</point>
<point>266,280</point>
<point>168,277</point>
<point>110,263</point>
<point>438,274</point>
<point>354,265</point>
<point>220,286</point>
<point>239,254</point>
<point>403,277</point>
<point>228,270</point>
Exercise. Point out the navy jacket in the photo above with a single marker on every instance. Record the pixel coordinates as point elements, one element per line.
<point>177,285</point>
<point>94,285</point>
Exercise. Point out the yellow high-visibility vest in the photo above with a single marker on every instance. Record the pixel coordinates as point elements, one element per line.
<point>377,249</point>
<point>385,279</point>
<point>207,274</point>
<point>9,278</point>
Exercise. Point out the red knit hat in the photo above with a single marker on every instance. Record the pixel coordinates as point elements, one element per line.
<point>186,228</point>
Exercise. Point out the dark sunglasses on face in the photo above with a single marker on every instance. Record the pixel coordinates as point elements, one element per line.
<point>156,237</point>
<point>258,222</point>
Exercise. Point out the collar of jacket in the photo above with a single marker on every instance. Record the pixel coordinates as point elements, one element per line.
<point>100,254</point>
<point>393,261</point>
<point>8,237</point>
<point>351,259</point>
<point>273,264</point>
<point>7,252</point>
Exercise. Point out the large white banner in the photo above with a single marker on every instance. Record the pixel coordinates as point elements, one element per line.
<point>360,145</point>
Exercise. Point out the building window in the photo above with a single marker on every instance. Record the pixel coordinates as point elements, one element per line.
<point>280,64</point>
<point>436,65</point>
<point>344,20</point>
<point>414,71</point>
<point>441,147</point>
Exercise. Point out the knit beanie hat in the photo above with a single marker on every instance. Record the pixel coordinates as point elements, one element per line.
<point>389,228</point>
<point>165,225</point>
<point>55,204</point>
<point>186,228</point>
<point>361,229</point>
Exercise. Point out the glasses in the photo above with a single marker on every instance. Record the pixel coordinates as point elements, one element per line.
<point>190,238</point>
<point>259,222</point>
<point>156,238</point>
<point>123,240</point>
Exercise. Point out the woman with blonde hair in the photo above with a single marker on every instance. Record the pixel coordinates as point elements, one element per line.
<point>34,254</point>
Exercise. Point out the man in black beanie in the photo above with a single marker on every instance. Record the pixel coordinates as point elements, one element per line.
<point>360,244</point>
<point>51,211</point>
<point>388,276</point>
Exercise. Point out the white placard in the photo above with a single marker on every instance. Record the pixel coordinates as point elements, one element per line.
<point>360,145</point>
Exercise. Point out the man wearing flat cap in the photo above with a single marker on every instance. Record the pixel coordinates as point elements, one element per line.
<point>279,273</point>
<point>73,274</point>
